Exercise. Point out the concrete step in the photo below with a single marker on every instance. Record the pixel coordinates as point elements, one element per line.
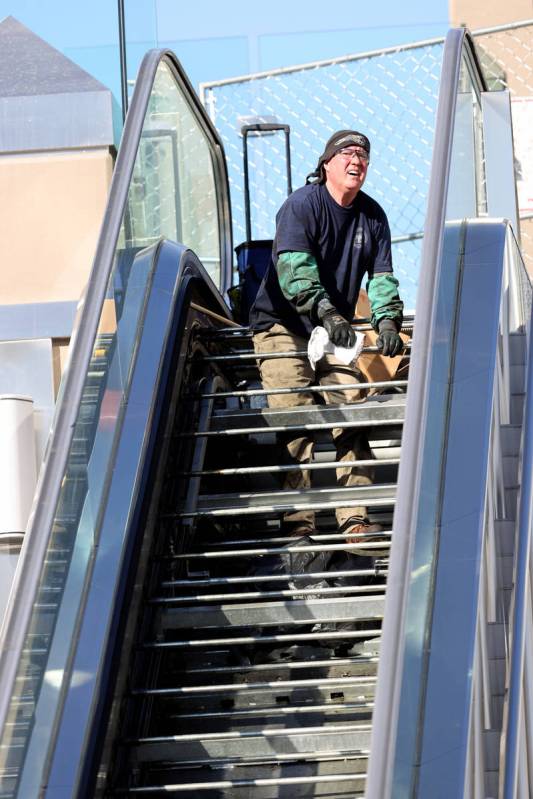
<point>517,348</point>
<point>491,746</point>
<point>517,408</point>
<point>518,378</point>
<point>496,640</point>
<point>505,532</point>
<point>510,439</point>
<point>510,465</point>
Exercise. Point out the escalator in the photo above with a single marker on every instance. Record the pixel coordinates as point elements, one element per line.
<point>162,638</point>
<point>247,676</point>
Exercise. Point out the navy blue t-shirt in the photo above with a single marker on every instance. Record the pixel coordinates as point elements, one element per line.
<point>346,243</point>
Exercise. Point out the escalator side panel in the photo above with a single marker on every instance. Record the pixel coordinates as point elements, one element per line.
<point>121,526</point>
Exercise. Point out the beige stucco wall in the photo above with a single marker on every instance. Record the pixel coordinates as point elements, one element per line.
<point>507,56</point>
<point>486,13</point>
<point>52,208</point>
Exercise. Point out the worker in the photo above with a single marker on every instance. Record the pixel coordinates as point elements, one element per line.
<point>329,234</point>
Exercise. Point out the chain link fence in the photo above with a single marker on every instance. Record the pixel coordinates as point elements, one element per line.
<point>390,95</point>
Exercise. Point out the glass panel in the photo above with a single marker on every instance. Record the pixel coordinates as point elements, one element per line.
<point>465,199</point>
<point>172,194</point>
<point>466,188</point>
<point>71,546</point>
<point>419,602</point>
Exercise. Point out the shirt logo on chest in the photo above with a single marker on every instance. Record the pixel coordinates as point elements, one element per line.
<point>358,239</point>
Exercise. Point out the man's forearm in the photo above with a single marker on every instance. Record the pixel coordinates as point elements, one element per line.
<point>385,302</point>
<point>299,280</point>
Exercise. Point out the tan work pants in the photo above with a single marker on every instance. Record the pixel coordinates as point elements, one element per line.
<point>350,444</point>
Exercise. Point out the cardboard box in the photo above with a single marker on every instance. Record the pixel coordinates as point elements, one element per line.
<point>376,367</point>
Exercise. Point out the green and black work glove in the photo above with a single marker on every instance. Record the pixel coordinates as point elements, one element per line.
<point>340,331</point>
<point>388,342</point>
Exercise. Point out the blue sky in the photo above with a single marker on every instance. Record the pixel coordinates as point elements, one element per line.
<point>215,40</point>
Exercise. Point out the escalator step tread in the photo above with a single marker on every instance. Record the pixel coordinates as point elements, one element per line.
<point>327,778</point>
<point>339,739</point>
<point>389,406</point>
<point>241,690</point>
<point>268,614</point>
<point>247,503</point>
